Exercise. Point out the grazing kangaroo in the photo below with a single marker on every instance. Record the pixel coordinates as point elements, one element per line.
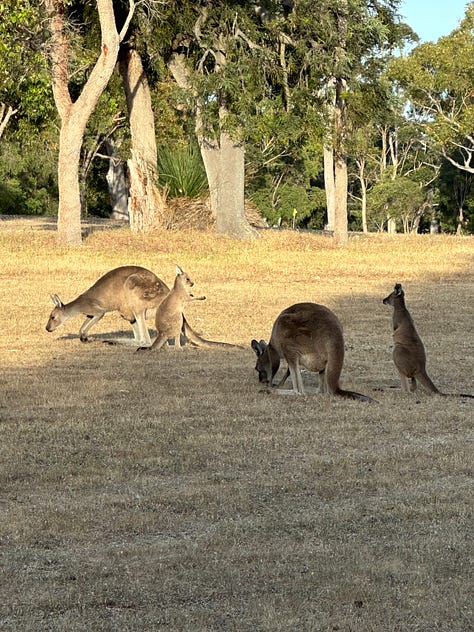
<point>308,336</point>
<point>134,292</point>
<point>409,352</point>
<point>169,317</point>
<point>130,290</point>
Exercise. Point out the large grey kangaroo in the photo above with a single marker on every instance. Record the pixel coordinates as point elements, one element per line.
<point>409,352</point>
<point>169,317</point>
<point>306,335</point>
<point>134,292</point>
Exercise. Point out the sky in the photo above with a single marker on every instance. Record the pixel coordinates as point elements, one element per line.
<point>432,19</point>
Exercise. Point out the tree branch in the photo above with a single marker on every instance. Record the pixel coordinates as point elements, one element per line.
<point>131,10</point>
<point>5,116</point>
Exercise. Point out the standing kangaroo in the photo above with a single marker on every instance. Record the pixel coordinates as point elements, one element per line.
<point>132,291</point>
<point>409,352</point>
<point>308,336</point>
<point>169,317</point>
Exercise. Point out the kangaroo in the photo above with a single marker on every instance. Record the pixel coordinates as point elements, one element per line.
<point>169,314</point>
<point>130,290</point>
<point>308,336</point>
<point>134,292</point>
<point>409,352</point>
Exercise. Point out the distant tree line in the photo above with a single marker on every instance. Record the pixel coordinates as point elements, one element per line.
<point>314,111</point>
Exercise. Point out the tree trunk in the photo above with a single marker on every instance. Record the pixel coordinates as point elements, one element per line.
<point>460,221</point>
<point>329,186</point>
<point>145,199</point>
<point>5,116</point>
<point>75,115</point>
<point>224,162</point>
<point>225,168</point>
<point>117,184</point>
<point>69,210</point>
<point>391,225</point>
<point>210,153</point>
<point>363,187</point>
<point>230,219</point>
<point>341,236</point>
<point>147,207</point>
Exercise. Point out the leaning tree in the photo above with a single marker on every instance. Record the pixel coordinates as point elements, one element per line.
<point>75,109</point>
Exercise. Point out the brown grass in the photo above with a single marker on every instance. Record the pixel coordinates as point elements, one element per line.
<point>166,492</point>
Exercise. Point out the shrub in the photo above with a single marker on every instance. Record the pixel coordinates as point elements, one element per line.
<point>182,172</point>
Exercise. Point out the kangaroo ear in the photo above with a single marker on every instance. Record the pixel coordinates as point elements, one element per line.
<point>256,347</point>
<point>398,289</point>
<point>179,270</point>
<point>259,347</point>
<point>56,300</point>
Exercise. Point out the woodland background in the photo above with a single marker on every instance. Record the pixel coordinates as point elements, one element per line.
<point>329,106</point>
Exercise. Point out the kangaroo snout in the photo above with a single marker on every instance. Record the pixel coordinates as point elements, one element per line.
<point>262,376</point>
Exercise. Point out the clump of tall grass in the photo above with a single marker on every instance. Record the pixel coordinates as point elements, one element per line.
<point>182,171</point>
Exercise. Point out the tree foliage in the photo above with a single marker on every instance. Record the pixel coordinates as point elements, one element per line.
<point>439,79</point>
<point>24,78</point>
<point>276,69</point>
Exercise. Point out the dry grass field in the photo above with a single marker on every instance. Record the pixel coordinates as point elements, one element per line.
<point>144,492</point>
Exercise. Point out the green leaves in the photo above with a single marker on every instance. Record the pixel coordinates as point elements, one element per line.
<point>24,77</point>
<point>438,80</point>
<point>181,171</point>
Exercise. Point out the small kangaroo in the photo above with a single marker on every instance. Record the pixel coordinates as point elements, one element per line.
<point>134,292</point>
<point>169,317</point>
<point>306,335</point>
<point>409,352</point>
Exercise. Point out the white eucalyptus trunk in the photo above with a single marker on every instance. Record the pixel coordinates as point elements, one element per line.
<point>147,205</point>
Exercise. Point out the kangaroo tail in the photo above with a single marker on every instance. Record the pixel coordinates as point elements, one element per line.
<point>333,371</point>
<point>426,381</point>
<point>198,341</point>
<point>353,395</point>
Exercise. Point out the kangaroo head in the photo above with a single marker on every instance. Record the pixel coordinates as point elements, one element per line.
<point>56,317</point>
<point>268,361</point>
<point>183,277</point>
<point>397,293</point>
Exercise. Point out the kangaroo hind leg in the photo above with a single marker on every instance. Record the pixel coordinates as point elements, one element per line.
<point>406,386</point>
<point>140,331</point>
<point>322,387</point>
<point>296,377</point>
<point>159,341</point>
<point>141,335</point>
